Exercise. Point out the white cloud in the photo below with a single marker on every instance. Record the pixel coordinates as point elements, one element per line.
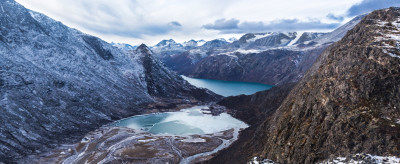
<point>149,21</point>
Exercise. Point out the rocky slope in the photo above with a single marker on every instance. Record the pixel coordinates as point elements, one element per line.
<point>347,103</point>
<point>125,145</point>
<point>57,83</point>
<point>253,108</point>
<point>273,67</point>
<point>162,82</point>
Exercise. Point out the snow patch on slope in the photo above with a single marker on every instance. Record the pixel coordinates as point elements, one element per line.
<point>201,42</point>
<point>350,159</point>
<point>257,160</point>
<point>249,51</point>
<point>298,35</point>
<point>390,40</point>
<point>259,36</point>
<point>362,158</point>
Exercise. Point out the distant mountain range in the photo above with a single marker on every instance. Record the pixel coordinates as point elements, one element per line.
<point>271,58</point>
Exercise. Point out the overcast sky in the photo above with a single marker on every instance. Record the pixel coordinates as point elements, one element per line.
<point>149,21</point>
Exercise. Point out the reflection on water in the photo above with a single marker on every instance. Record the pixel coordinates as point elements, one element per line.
<point>185,122</point>
<point>228,88</point>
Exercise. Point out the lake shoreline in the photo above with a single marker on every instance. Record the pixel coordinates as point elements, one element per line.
<point>86,149</point>
<point>118,144</point>
<point>228,88</point>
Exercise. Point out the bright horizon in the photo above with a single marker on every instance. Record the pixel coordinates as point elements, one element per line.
<point>139,21</point>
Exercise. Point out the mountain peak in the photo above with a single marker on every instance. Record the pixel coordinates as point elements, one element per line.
<point>143,49</point>
<point>166,43</point>
<point>124,46</point>
<point>232,39</point>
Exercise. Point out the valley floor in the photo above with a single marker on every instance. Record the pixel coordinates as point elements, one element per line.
<point>119,145</point>
<point>113,144</point>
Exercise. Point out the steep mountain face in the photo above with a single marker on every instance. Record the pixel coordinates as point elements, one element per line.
<point>252,109</point>
<point>337,34</point>
<point>161,82</point>
<point>274,67</point>
<point>347,103</point>
<point>268,67</point>
<point>265,40</point>
<point>308,36</point>
<point>57,83</point>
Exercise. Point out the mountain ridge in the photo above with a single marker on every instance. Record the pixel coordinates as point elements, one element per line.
<point>56,83</point>
<point>253,54</point>
<point>347,103</point>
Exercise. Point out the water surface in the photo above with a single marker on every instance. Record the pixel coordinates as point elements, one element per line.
<point>228,88</point>
<point>185,122</point>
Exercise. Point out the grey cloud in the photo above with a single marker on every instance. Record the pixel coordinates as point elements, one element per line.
<point>152,29</point>
<point>369,5</point>
<point>335,17</point>
<point>278,25</point>
<point>103,18</point>
<point>223,24</point>
<point>175,23</point>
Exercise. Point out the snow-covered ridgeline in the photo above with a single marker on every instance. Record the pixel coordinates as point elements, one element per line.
<point>389,37</point>
<point>350,159</point>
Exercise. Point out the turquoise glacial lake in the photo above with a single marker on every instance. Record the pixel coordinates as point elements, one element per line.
<point>228,88</point>
<point>185,122</point>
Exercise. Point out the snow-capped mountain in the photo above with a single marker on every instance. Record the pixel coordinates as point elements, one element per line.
<point>124,46</point>
<point>216,43</point>
<point>190,44</point>
<point>306,37</point>
<point>167,47</point>
<point>193,44</point>
<point>168,44</point>
<point>230,40</point>
<point>271,58</point>
<point>56,83</point>
<point>265,40</point>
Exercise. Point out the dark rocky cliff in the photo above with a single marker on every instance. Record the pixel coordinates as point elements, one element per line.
<point>162,82</point>
<point>347,103</point>
<point>253,108</point>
